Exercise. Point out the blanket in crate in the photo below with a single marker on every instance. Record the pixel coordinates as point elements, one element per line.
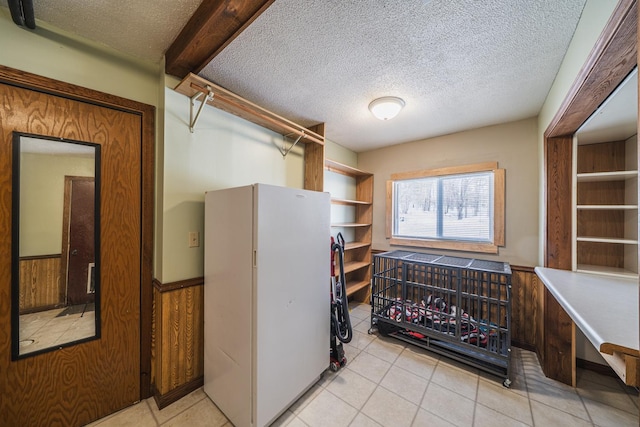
<point>435,314</point>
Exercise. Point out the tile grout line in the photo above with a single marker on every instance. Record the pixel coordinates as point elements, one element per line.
<point>515,393</point>
<point>146,401</point>
<point>605,402</point>
<point>377,384</point>
<point>185,409</point>
<point>526,388</point>
<point>325,388</point>
<point>475,401</point>
<point>558,409</point>
<point>424,393</point>
<point>358,411</point>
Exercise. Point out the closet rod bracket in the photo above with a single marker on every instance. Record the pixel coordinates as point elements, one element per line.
<point>205,98</point>
<point>284,151</point>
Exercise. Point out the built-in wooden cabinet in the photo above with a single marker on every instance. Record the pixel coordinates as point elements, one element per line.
<point>606,208</point>
<point>351,214</point>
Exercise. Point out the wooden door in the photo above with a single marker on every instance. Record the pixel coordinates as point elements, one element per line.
<point>78,227</point>
<point>78,384</point>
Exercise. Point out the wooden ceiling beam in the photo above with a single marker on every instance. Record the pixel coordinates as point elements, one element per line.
<point>214,25</point>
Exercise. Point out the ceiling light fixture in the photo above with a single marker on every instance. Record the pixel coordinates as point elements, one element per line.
<point>386,108</point>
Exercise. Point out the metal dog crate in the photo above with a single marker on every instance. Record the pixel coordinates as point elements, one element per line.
<point>457,307</point>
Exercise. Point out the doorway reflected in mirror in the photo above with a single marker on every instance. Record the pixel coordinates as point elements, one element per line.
<point>55,243</point>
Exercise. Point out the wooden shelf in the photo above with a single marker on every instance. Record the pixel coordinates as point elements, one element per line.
<point>355,265</point>
<point>333,166</point>
<point>228,101</point>
<point>351,266</point>
<point>606,240</point>
<point>607,207</point>
<point>606,271</point>
<point>350,224</point>
<point>605,200</point>
<point>606,176</point>
<point>357,268</point>
<point>355,245</point>
<point>337,201</point>
<point>355,286</point>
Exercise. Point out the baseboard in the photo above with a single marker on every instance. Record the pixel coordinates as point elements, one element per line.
<point>164,400</point>
<point>180,284</point>
<point>596,367</point>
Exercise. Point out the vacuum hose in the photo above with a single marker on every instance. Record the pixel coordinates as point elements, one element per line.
<point>340,322</point>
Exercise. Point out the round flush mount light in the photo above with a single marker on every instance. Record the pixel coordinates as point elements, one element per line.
<point>386,108</point>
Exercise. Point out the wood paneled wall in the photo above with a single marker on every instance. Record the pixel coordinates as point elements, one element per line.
<point>601,157</point>
<point>40,284</point>
<point>527,298</point>
<point>557,352</point>
<point>314,162</point>
<point>177,348</point>
<point>558,358</point>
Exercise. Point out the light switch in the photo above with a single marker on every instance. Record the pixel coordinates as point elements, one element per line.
<point>194,239</point>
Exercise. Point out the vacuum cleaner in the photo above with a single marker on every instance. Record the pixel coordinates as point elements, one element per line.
<point>341,331</point>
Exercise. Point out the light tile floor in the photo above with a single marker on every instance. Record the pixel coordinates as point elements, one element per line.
<point>389,383</point>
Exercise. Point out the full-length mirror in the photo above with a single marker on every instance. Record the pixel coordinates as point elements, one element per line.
<point>55,299</point>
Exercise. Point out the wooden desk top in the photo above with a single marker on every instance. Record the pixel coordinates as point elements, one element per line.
<point>604,308</point>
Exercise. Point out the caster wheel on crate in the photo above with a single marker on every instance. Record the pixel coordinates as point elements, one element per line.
<point>343,362</point>
<point>507,383</point>
<point>334,366</point>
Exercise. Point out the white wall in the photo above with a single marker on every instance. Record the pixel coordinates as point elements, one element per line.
<point>340,154</point>
<point>341,187</point>
<point>52,53</point>
<point>42,179</point>
<point>513,145</point>
<point>224,151</point>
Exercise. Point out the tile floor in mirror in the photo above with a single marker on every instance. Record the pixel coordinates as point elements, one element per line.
<point>51,328</point>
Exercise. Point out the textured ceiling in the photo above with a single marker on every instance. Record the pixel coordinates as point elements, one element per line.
<point>458,64</point>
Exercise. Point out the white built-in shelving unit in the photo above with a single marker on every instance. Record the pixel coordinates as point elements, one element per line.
<point>605,196</point>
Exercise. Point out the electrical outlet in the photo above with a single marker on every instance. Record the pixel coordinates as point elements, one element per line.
<point>194,239</point>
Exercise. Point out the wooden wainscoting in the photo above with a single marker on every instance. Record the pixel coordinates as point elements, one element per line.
<point>40,284</point>
<point>527,297</point>
<point>177,343</point>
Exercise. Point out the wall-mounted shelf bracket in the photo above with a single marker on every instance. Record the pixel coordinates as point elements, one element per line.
<point>205,98</point>
<point>197,88</point>
<point>283,150</point>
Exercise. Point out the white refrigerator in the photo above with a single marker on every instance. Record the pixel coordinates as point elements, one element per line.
<point>266,298</point>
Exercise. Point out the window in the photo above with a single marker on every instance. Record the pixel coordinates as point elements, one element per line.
<point>451,208</point>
